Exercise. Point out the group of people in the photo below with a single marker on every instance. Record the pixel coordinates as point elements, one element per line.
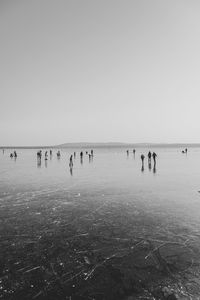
<point>185,151</point>
<point>127,152</point>
<point>90,155</point>
<point>71,159</point>
<point>39,154</point>
<point>149,155</point>
<point>14,154</point>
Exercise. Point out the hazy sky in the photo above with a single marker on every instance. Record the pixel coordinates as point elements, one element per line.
<point>99,71</point>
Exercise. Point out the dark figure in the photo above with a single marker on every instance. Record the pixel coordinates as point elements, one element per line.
<point>58,154</point>
<point>15,154</point>
<point>90,157</point>
<point>50,152</point>
<point>81,157</point>
<point>71,161</point>
<point>46,155</point>
<point>154,155</point>
<point>183,151</point>
<point>149,156</point>
<point>92,152</point>
<point>11,155</point>
<point>134,153</point>
<point>154,169</point>
<point>149,165</point>
<point>74,154</point>
<point>127,152</point>
<point>86,152</point>
<point>3,151</point>
<point>186,150</point>
<point>142,158</point>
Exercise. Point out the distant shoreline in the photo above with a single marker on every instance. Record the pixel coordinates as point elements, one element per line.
<point>108,145</point>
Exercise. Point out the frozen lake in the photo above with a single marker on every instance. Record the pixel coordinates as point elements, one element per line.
<point>72,224</point>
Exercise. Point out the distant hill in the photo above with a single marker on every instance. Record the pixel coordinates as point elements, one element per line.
<point>109,145</point>
<point>89,145</point>
<point>127,145</point>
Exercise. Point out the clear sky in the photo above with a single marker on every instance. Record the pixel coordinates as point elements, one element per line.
<point>99,71</point>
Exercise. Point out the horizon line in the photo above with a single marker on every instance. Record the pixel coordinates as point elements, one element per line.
<point>103,144</point>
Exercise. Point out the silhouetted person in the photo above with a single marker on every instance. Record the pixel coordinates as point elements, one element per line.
<point>46,155</point>
<point>50,152</point>
<point>92,152</point>
<point>74,154</point>
<point>39,154</point>
<point>90,157</point>
<point>149,156</point>
<point>3,151</point>
<point>71,161</point>
<point>183,151</point>
<point>142,158</point>
<point>81,157</point>
<point>142,169</point>
<point>127,152</point>
<point>149,165</point>
<point>15,154</point>
<point>186,150</point>
<point>154,168</point>
<point>154,155</point>
<point>11,155</point>
<point>134,152</point>
<point>58,154</point>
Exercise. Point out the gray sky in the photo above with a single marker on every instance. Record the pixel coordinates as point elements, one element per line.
<point>99,71</point>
